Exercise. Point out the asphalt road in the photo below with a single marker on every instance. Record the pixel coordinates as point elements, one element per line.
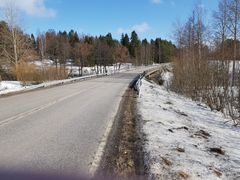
<point>59,130</point>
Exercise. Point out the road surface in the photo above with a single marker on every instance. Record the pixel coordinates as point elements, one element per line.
<point>59,130</point>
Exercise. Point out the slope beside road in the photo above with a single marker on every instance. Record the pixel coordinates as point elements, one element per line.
<point>60,130</point>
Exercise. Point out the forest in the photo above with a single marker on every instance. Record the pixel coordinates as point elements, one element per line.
<point>18,51</point>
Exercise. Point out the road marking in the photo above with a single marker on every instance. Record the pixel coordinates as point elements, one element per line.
<point>42,107</point>
<point>100,150</point>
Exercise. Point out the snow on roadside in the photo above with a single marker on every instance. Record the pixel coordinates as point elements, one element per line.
<point>186,140</point>
<point>6,85</point>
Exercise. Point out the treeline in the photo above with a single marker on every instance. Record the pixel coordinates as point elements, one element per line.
<point>144,52</point>
<point>87,50</point>
<point>83,50</point>
<point>62,47</point>
<point>17,49</point>
<point>206,65</point>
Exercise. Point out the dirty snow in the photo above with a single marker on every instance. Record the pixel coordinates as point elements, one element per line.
<point>179,135</point>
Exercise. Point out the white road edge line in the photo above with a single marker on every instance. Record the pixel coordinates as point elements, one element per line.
<point>99,153</point>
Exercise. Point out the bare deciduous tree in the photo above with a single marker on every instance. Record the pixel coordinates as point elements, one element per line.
<point>233,26</point>
<point>16,44</point>
<point>202,72</point>
<point>81,52</point>
<point>41,45</point>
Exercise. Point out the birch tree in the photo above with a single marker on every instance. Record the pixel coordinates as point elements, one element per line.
<point>41,45</point>
<point>234,23</point>
<point>15,43</point>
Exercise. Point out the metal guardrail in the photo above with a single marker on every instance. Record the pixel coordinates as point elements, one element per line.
<point>51,84</point>
<point>137,82</point>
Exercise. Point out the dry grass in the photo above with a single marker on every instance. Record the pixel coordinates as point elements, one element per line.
<point>29,73</point>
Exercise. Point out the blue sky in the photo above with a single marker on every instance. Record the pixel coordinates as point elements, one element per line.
<point>151,18</point>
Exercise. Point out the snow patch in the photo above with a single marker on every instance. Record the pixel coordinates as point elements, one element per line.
<point>184,139</point>
<point>10,85</point>
<point>7,87</point>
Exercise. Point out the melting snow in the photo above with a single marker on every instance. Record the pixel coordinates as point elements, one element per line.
<point>184,139</point>
<point>10,85</point>
<point>16,86</point>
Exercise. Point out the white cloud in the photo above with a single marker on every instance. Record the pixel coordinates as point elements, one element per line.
<point>139,28</point>
<point>31,7</point>
<point>144,27</point>
<point>156,1</point>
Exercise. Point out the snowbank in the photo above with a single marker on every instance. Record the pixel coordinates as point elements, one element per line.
<point>9,85</point>
<point>185,140</point>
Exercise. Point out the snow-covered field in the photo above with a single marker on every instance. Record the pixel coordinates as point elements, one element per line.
<point>74,70</point>
<point>184,139</point>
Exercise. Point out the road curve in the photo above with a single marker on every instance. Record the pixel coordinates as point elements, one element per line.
<point>59,130</point>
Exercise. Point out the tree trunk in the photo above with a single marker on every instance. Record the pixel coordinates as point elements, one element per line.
<point>81,67</point>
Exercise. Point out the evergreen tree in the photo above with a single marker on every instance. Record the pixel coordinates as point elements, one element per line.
<point>125,40</point>
<point>167,49</point>
<point>145,42</point>
<point>109,40</point>
<point>89,40</point>
<point>163,50</point>
<point>122,39</point>
<point>134,44</point>
<point>73,37</point>
<point>33,41</point>
<point>158,51</point>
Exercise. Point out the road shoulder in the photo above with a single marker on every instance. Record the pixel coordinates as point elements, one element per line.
<point>123,154</point>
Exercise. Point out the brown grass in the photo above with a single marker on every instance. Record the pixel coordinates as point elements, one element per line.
<point>30,74</point>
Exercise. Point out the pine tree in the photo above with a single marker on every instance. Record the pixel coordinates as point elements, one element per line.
<point>125,40</point>
<point>33,41</point>
<point>109,40</point>
<point>134,45</point>
<point>73,37</point>
<point>158,51</point>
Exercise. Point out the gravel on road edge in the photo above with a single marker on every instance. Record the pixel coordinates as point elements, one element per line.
<point>123,157</point>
